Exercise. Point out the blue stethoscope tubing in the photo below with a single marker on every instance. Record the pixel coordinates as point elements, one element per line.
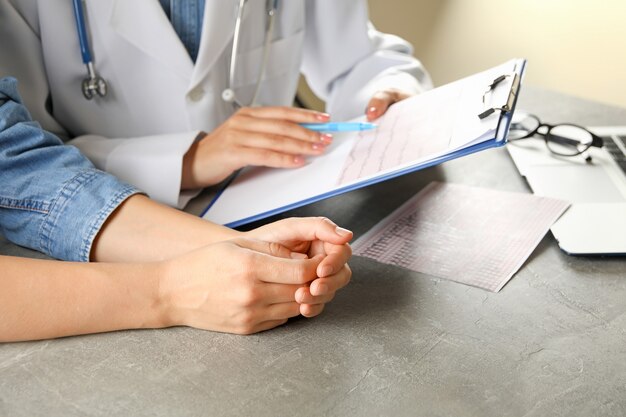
<point>92,85</point>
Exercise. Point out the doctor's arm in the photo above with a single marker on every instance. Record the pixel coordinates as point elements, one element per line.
<point>366,71</point>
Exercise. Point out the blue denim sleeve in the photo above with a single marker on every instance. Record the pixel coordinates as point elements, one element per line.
<point>52,199</point>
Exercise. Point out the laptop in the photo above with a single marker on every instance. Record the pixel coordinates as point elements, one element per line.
<point>595,223</point>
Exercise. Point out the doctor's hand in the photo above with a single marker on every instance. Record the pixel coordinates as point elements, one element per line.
<point>314,237</point>
<point>238,286</point>
<point>263,136</point>
<point>382,100</point>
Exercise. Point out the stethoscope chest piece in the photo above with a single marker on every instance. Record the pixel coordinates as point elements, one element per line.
<point>93,85</point>
<point>228,95</point>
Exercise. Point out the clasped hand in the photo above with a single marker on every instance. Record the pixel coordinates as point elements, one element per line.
<point>258,281</point>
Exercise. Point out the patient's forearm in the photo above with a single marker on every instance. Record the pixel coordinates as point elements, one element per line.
<point>143,230</point>
<point>46,299</point>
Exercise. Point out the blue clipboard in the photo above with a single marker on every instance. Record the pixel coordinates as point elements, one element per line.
<point>236,209</point>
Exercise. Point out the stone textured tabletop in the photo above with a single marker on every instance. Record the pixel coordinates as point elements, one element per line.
<point>394,342</point>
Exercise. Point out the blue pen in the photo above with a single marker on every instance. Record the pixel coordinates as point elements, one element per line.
<point>338,127</point>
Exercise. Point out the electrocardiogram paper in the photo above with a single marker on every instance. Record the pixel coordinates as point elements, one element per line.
<point>418,129</point>
<point>471,235</point>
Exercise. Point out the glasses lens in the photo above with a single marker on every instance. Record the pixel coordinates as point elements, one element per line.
<point>568,140</point>
<point>523,125</point>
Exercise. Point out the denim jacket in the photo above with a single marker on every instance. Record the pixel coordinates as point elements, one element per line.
<point>52,199</point>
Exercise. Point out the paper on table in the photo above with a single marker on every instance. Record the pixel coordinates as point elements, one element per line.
<point>414,131</point>
<point>471,235</point>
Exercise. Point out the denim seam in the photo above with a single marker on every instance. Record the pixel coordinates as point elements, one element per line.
<point>26,205</point>
<point>72,186</point>
<point>96,225</point>
<point>66,195</point>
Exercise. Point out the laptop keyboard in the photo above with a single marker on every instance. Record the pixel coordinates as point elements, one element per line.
<point>613,148</point>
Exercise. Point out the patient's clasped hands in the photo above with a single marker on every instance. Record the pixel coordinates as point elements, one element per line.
<point>258,281</point>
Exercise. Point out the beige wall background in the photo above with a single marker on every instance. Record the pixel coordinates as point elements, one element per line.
<point>572,46</point>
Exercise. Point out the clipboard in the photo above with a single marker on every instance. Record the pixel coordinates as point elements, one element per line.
<point>457,119</point>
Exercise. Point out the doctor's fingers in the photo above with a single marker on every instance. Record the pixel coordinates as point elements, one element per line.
<point>278,143</point>
<point>292,114</point>
<point>264,157</point>
<point>381,101</point>
<point>280,127</point>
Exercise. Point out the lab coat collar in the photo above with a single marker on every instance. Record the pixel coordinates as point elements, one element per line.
<point>156,38</point>
<point>218,30</point>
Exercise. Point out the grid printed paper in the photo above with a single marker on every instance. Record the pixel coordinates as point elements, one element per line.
<point>471,235</point>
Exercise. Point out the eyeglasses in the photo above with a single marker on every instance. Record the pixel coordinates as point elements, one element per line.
<point>563,139</point>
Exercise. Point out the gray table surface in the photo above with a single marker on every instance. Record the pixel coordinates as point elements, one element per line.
<point>394,342</point>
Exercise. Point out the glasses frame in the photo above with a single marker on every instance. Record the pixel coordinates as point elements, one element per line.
<point>596,141</point>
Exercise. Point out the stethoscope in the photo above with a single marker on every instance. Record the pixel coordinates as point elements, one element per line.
<point>92,85</point>
<point>95,85</point>
<point>228,95</point>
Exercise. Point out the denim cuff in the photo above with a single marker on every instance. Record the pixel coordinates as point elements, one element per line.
<point>78,212</point>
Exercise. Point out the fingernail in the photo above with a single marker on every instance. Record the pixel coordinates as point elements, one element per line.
<point>326,270</point>
<point>322,116</point>
<point>326,138</point>
<point>317,147</point>
<point>298,255</point>
<point>372,110</point>
<point>298,160</point>
<point>342,232</point>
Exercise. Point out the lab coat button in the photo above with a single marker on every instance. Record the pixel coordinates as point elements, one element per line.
<point>196,94</point>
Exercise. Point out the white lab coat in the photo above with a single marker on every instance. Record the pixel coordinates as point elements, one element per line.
<point>159,100</point>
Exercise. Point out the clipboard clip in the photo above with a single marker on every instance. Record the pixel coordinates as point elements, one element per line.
<point>510,100</point>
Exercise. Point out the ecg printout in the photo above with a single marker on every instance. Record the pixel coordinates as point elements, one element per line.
<point>471,235</point>
<point>411,133</point>
<point>420,128</point>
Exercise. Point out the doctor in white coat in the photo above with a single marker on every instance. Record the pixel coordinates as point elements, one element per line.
<point>164,124</point>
